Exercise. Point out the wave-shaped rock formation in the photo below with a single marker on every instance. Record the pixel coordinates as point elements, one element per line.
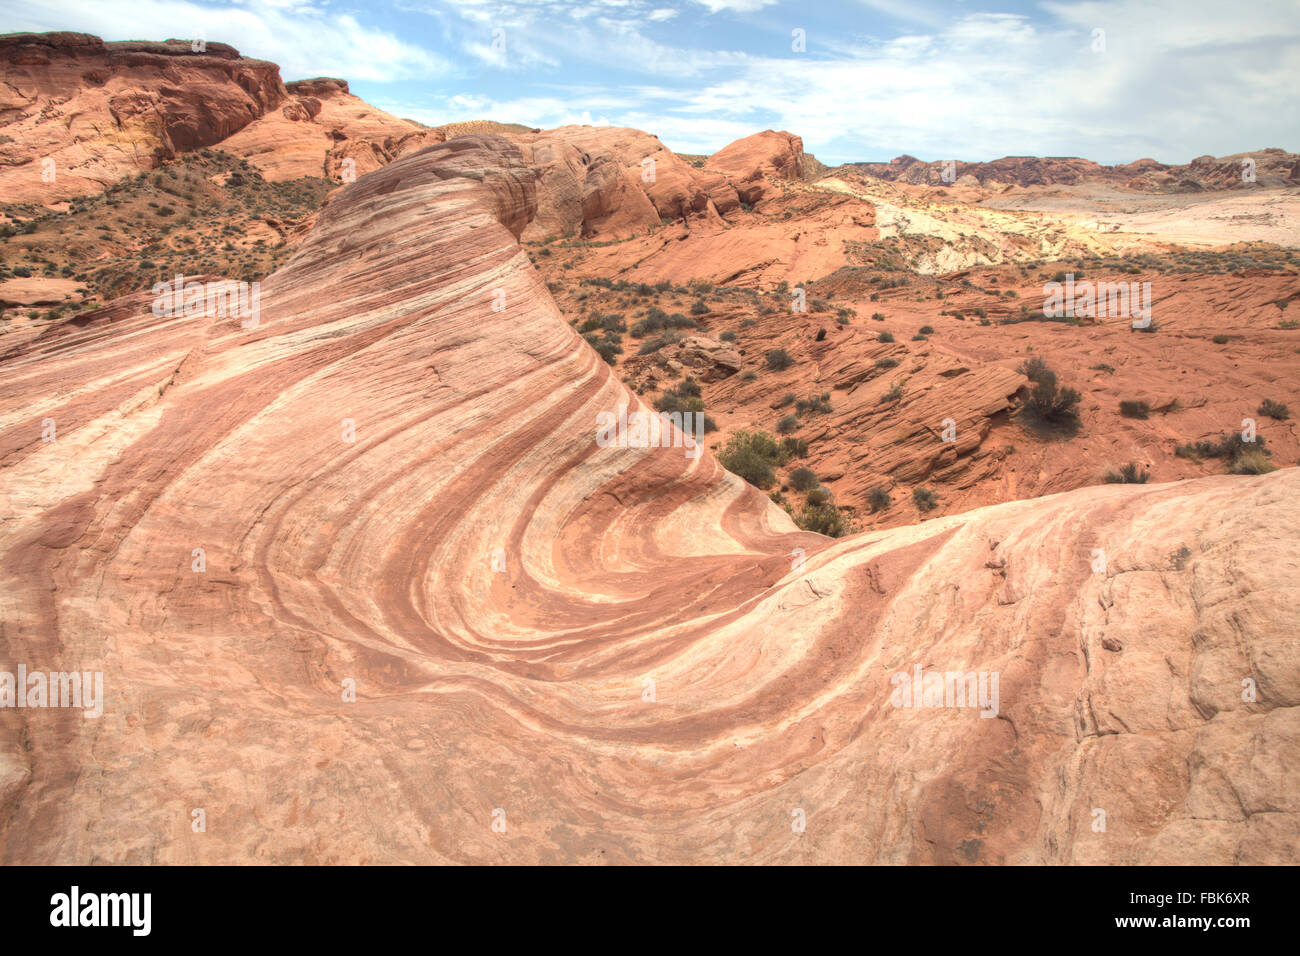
<point>563,652</point>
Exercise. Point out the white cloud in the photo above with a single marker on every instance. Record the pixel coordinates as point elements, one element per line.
<point>735,6</point>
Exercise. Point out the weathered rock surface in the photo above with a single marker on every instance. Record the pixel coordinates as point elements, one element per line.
<point>1269,167</point>
<point>80,113</point>
<point>754,158</point>
<point>610,183</point>
<point>616,653</point>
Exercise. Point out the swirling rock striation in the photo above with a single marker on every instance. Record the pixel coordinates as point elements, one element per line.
<point>570,653</point>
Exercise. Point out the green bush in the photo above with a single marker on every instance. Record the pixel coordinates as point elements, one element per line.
<point>1130,474</point>
<point>753,456</point>
<point>823,519</point>
<point>814,404</point>
<point>929,329</point>
<point>683,398</point>
<point>787,425</point>
<point>885,337</point>
<point>818,495</point>
<point>1130,408</point>
<point>879,499</point>
<point>778,360</point>
<point>803,479</point>
<point>794,448</point>
<point>886,362</point>
<point>1273,409</point>
<point>657,320</point>
<point>925,499</point>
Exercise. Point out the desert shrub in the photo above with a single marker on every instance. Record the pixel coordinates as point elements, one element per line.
<point>885,337</point>
<point>753,456</point>
<point>786,399</point>
<point>607,323</point>
<point>1230,446</point>
<point>683,398</point>
<point>1220,339</point>
<point>878,316</point>
<point>803,479</point>
<point>1054,405</point>
<point>820,404</point>
<point>1131,408</point>
<point>823,519</point>
<point>22,272</point>
<point>1048,402</point>
<point>818,495</point>
<point>925,499</point>
<point>894,394</point>
<point>657,320</point>
<point>607,344</point>
<point>748,376</point>
<point>879,499</point>
<point>1036,370</point>
<point>1251,462</point>
<point>886,362</point>
<point>699,308</point>
<point>794,448</point>
<point>727,336</point>
<point>778,360</point>
<point>1109,370</point>
<point>650,346</point>
<point>1273,409</point>
<point>787,425</point>
<point>748,323</point>
<point>1130,474</point>
<point>929,329</point>
<point>920,338</point>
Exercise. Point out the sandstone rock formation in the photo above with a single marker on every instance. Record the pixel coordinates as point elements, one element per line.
<point>323,130</point>
<point>754,158</point>
<point>616,654</point>
<point>77,113</point>
<point>1270,167</point>
<point>610,183</point>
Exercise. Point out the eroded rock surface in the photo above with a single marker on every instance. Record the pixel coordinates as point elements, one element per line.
<point>619,654</point>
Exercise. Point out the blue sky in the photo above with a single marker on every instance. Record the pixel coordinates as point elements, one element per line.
<point>973,80</point>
